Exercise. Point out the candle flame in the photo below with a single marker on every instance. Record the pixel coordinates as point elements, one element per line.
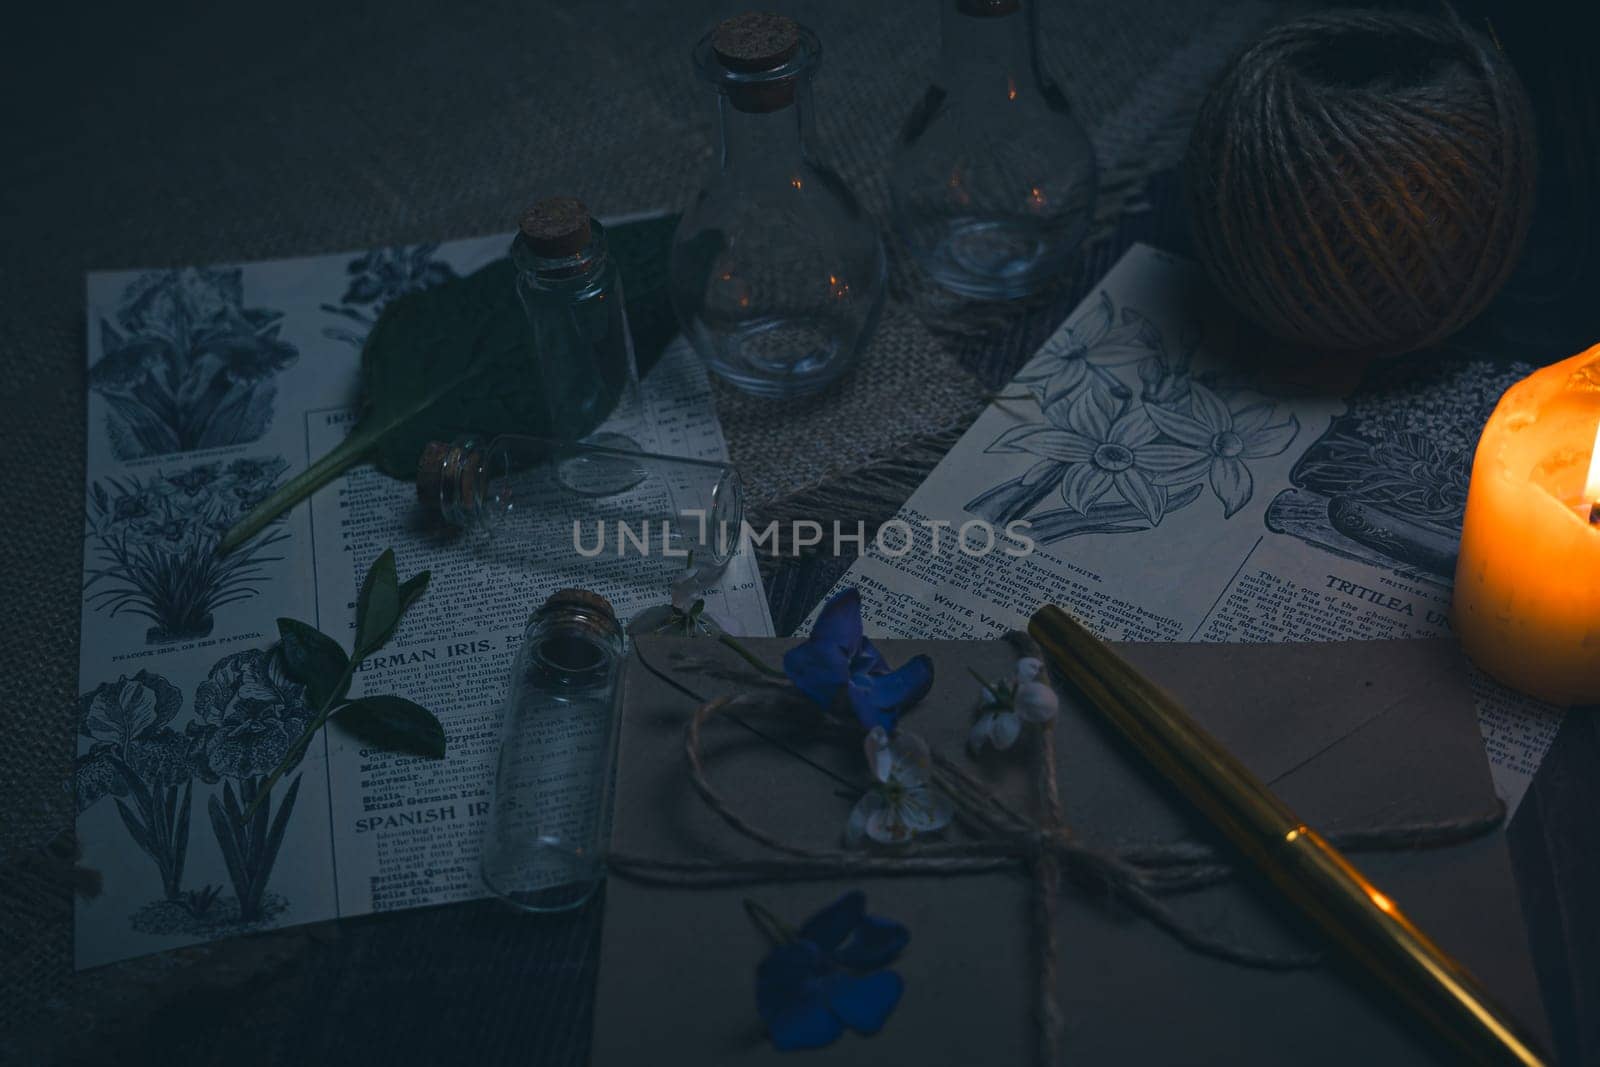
<point>1011,89</point>
<point>1591,488</point>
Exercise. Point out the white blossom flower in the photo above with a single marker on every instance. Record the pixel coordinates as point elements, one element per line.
<point>902,802</point>
<point>1008,704</point>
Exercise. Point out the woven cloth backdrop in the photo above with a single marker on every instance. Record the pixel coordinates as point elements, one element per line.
<point>207,134</point>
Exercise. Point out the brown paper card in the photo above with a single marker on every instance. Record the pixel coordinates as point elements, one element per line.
<point>1352,735</point>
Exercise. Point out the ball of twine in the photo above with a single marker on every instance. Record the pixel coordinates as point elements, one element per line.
<point>1362,181</point>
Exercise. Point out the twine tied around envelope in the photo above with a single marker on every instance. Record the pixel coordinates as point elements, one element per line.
<point>1043,845</point>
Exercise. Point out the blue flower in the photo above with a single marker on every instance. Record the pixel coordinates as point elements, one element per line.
<point>838,668</point>
<point>829,976</point>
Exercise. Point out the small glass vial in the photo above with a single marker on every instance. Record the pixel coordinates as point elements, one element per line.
<point>545,839</point>
<point>776,275</point>
<point>638,525</point>
<point>994,182</point>
<point>571,293</point>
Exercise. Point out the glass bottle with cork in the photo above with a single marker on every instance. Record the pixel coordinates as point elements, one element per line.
<point>545,838</point>
<point>571,293</point>
<point>776,274</point>
<point>636,524</point>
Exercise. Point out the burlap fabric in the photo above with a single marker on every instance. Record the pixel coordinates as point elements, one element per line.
<point>205,133</point>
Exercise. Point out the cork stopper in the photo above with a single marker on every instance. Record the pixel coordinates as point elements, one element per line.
<point>583,600</point>
<point>449,477</point>
<point>556,226</point>
<point>755,41</point>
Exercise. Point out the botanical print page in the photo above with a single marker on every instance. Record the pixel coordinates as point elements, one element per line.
<point>1171,499</point>
<point>208,388</point>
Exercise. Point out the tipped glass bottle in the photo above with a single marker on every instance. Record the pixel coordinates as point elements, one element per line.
<point>544,842</point>
<point>639,526</point>
<point>571,294</point>
<point>994,183</point>
<point>776,275</point>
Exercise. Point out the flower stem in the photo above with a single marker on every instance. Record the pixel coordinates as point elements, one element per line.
<point>295,751</point>
<point>740,721</point>
<point>351,451</point>
<point>1001,695</point>
<point>750,658</point>
<point>777,931</point>
<point>790,750</point>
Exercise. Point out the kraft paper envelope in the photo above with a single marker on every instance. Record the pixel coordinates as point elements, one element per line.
<point>1353,735</point>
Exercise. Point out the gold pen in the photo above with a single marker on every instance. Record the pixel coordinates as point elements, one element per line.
<point>1349,909</point>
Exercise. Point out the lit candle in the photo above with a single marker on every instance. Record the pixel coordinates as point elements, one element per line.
<point>1527,593</point>
<point>1589,508</point>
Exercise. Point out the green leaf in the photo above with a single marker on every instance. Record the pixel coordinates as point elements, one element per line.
<point>393,723</point>
<point>378,608</point>
<point>412,588</point>
<point>315,660</point>
<point>459,358</point>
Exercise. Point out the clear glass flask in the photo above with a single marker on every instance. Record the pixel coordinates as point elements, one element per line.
<point>571,293</point>
<point>545,838</point>
<point>776,275</point>
<point>994,181</point>
<point>634,525</point>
